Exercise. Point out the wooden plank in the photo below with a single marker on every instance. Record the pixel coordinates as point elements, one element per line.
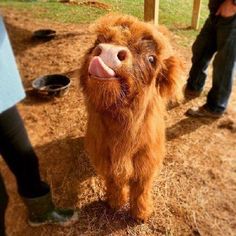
<point>196,13</point>
<point>151,11</point>
<point>156,12</point>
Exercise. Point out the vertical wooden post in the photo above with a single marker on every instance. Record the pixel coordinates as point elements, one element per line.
<point>196,13</point>
<point>151,11</point>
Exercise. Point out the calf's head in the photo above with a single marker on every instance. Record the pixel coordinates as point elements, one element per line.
<point>128,58</point>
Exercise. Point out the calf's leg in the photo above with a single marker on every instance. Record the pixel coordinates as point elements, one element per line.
<point>117,193</point>
<point>141,204</point>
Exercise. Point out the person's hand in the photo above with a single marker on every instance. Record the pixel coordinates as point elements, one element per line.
<point>226,9</point>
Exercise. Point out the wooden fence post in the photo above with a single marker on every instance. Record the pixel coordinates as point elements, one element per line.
<point>151,11</point>
<point>196,13</point>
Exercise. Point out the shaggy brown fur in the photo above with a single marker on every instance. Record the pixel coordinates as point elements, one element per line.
<point>126,132</point>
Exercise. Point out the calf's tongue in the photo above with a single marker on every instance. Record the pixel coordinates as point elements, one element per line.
<point>98,68</point>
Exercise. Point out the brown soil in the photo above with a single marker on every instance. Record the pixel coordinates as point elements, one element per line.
<point>195,193</point>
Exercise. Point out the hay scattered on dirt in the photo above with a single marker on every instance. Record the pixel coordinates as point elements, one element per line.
<point>229,124</point>
<point>95,4</point>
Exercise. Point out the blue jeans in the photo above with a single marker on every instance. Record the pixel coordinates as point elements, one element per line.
<point>218,35</point>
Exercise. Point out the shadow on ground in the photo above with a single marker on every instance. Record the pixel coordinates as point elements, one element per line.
<point>186,126</point>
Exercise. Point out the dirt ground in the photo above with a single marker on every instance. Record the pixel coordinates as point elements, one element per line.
<point>195,193</point>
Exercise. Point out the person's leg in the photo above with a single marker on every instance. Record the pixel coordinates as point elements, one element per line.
<point>203,49</point>
<point>3,205</point>
<point>19,155</point>
<point>223,65</point>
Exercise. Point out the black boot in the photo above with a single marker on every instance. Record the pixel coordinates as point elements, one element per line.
<point>42,211</point>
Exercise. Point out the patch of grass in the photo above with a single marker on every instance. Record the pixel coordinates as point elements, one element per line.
<point>175,14</point>
<point>56,11</point>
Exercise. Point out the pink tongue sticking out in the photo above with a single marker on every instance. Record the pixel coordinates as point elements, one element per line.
<point>98,68</point>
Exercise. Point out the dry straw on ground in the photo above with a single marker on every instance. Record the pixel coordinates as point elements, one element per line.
<point>195,193</point>
<point>96,4</point>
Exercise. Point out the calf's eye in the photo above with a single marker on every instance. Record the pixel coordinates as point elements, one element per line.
<point>152,59</point>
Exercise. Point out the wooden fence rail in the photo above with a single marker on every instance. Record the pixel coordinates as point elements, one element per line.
<point>151,12</point>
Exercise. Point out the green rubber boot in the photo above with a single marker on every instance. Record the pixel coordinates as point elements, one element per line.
<point>42,211</point>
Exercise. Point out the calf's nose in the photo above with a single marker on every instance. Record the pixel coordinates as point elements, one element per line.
<point>112,55</point>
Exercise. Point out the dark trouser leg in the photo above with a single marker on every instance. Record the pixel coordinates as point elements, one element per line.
<point>223,65</point>
<point>3,206</point>
<point>203,49</point>
<point>19,155</point>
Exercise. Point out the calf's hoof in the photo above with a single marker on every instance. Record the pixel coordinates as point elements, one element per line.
<point>141,216</point>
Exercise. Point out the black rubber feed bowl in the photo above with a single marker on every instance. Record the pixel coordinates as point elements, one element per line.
<point>44,34</point>
<point>52,85</point>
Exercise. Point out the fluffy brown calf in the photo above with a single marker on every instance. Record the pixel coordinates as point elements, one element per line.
<point>127,77</point>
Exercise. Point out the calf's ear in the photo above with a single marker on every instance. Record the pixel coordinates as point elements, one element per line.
<point>170,80</point>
